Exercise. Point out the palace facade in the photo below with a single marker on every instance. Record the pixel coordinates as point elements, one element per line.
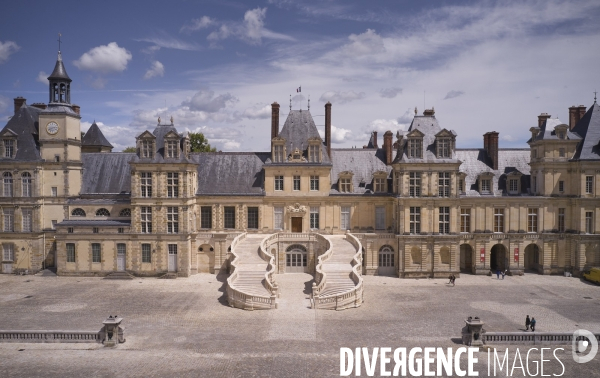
<point>420,206</point>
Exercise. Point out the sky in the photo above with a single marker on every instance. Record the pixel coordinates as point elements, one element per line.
<point>216,66</point>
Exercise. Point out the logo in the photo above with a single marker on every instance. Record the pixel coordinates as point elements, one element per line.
<point>580,346</point>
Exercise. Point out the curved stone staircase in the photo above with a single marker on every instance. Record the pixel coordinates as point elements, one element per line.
<point>338,267</point>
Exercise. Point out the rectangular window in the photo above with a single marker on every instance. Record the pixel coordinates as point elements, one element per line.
<point>513,186</point>
<point>9,148</point>
<point>9,252</point>
<point>70,230</point>
<point>146,253</point>
<point>172,147</point>
<point>380,184</point>
<point>27,219</point>
<point>415,220</point>
<point>147,150</point>
<point>589,184</point>
<point>443,148</point>
<point>9,219</point>
<point>561,220</point>
<point>206,217</point>
<point>27,184</point>
<point>278,153</point>
<point>314,183</point>
<point>444,220</point>
<point>532,220</point>
<point>314,217</point>
<point>172,184</point>
<point>561,152</point>
<point>278,218</point>
<point>561,186</point>
<point>444,184</point>
<point>54,223</point>
<point>414,184</point>
<point>465,220</point>
<point>229,216</point>
<point>121,230</point>
<point>345,218</point>
<point>96,253</point>
<point>253,218</point>
<point>498,220</point>
<point>121,249</point>
<point>313,154</point>
<point>95,230</point>
<point>486,185</point>
<point>461,186</point>
<point>146,216</point>
<point>172,219</point>
<point>8,184</point>
<point>589,222</point>
<point>345,186</point>
<point>278,183</point>
<point>380,218</point>
<point>296,182</point>
<point>414,148</point>
<point>70,252</point>
<point>54,191</point>
<point>146,184</point>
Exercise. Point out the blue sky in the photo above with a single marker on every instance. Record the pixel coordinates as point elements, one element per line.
<point>216,66</point>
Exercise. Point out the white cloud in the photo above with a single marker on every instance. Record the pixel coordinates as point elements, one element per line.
<point>453,94</point>
<point>7,49</point>
<point>367,43</point>
<point>390,92</point>
<point>507,138</point>
<point>104,59</point>
<point>168,42</point>
<point>157,69</point>
<point>4,104</point>
<point>383,125</point>
<point>258,112</point>
<point>338,134</point>
<point>42,77</point>
<point>206,101</point>
<point>341,97</point>
<point>97,83</point>
<point>197,24</point>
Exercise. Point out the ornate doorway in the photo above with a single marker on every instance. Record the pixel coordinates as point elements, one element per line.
<point>296,259</point>
<point>386,261</point>
<point>296,224</point>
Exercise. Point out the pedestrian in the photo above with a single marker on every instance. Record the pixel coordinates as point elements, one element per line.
<point>453,279</point>
<point>532,324</point>
<point>503,274</point>
<point>497,274</point>
<point>527,323</point>
<point>450,279</point>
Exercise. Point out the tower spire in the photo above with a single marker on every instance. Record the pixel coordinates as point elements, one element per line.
<point>595,93</point>
<point>59,35</point>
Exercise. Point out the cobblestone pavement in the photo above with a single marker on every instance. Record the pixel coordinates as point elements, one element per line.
<point>184,327</point>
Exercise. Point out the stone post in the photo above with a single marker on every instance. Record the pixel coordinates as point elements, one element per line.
<point>112,332</point>
<point>472,332</point>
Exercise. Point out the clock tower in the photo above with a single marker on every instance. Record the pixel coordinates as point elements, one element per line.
<point>60,136</point>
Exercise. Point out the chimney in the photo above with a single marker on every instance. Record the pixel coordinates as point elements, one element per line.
<point>387,146</point>
<point>575,114</point>
<point>19,101</point>
<point>582,110</point>
<point>375,139</point>
<point>76,109</point>
<point>39,105</point>
<point>274,120</point>
<point>328,127</point>
<point>542,118</point>
<point>490,144</point>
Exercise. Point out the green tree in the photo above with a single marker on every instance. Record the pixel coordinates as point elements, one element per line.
<point>129,149</point>
<point>199,143</point>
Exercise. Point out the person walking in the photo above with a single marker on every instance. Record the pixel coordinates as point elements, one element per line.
<point>450,279</point>
<point>503,274</point>
<point>497,274</point>
<point>453,279</point>
<point>532,324</point>
<point>527,323</point>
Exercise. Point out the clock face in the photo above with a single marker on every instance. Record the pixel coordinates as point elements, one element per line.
<point>52,128</point>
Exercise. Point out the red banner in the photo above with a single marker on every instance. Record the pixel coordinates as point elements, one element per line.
<point>516,254</point>
<point>482,255</point>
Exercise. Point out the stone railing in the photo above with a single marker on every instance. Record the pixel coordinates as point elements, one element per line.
<point>269,281</point>
<point>320,275</point>
<point>531,338</point>
<point>236,297</point>
<point>51,336</point>
<point>354,296</point>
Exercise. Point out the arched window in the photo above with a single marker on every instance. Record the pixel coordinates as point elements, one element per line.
<point>78,212</point>
<point>102,213</point>
<point>8,184</point>
<point>125,213</point>
<point>26,181</point>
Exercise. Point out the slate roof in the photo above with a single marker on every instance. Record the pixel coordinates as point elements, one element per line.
<point>475,162</point>
<point>588,128</point>
<point>94,137</point>
<point>59,70</point>
<point>25,124</point>
<point>98,201</point>
<point>547,131</point>
<point>94,223</point>
<point>227,173</point>
<point>56,108</point>
<point>159,157</point>
<point>107,173</point>
<point>299,126</point>
<point>362,162</point>
<point>429,126</point>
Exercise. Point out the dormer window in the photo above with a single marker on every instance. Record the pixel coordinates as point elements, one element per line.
<point>345,182</point>
<point>278,153</point>
<point>443,148</point>
<point>9,148</point>
<point>485,183</point>
<point>172,149</point>
<point>147,149</point>
<point>380,182</point>
<point>146,145</point>
<point>415,148</point>
<point>561,152</point>
<point>314,150</point>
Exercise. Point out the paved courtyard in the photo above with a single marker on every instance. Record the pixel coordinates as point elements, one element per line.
<point>184,327</point>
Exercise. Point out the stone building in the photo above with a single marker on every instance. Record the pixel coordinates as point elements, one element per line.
<point>420,206</point>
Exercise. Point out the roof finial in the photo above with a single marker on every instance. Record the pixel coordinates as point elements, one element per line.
<point>59,35</point>
<point>308,102</point>
<point>171,120</point>
<point>415,110</point>
<point>290,103</point>
<point>595,93</point>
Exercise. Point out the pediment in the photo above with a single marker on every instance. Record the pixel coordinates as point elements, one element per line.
<point>315,140</point>
<point>8,133</point>
<point>486,174</point>
<point>346,174</point>
<point>416,133</point>
<point>146,135</point>
<point>380,173</point>
<point>444,133</point>
<point>171,135</point>
<point>278,139</point>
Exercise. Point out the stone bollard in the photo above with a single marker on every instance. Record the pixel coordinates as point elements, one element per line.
<point>113,333</point>
<point>473,331</point>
